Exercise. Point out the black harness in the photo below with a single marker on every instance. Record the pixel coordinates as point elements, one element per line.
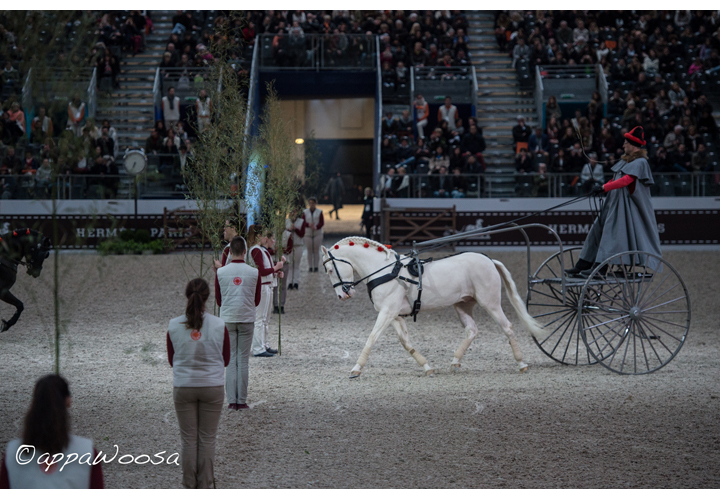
<point>381,280</point>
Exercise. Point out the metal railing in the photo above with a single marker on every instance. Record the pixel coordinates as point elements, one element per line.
<point>475,90</point>
<point>92,95</point>
<point>539,97</point>
<point>443,73</point>
<point>186,81</point>
<point>551,185</point>
<point>568,71</point>
<point>288,51</point>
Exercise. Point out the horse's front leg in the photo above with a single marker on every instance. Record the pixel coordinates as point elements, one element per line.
<point>383,320</point>
<point>401,328</point>
<point>9,298</point>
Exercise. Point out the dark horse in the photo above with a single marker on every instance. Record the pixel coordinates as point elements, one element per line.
<point>25,247</point>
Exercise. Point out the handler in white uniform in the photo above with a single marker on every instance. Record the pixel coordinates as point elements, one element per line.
<point>296,225</point>
<point>263,261</point>
<point>238,294</point>
<point>314,222</point>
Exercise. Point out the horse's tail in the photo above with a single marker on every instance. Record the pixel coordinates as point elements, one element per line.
<point>517,303</point>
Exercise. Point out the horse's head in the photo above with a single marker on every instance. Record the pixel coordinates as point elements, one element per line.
<point>36,251</point>
<point>341,274</point>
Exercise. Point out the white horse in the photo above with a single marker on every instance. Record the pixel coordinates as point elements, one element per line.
<point>460,281</point>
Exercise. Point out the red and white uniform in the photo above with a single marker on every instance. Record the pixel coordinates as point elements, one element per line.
<point>30,475</point>
<point>297,229</point>
<point>198,357</point>
<point>263,261</point>
<point>314,221</point>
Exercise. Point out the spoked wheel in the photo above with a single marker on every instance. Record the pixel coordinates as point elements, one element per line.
<point>545,303</point>
<point>634,319</point>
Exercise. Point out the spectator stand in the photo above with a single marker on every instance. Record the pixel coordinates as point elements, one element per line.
<point>435,84</point>
<point>572,86</point>
<point>283,51</point>
<point>187,83</point>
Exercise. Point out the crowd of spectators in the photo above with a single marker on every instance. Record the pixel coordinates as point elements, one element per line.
<point>442,157</point>
<point>660,67</point>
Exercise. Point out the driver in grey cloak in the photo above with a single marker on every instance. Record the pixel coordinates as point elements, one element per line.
<point>627,219</point>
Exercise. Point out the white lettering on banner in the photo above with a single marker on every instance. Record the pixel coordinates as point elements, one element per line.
<point>661,228</point>
<point>80,232</point>
<point>570,228</point>
<point>48,460</point>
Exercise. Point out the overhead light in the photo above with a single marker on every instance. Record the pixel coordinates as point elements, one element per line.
<point>299,140</point>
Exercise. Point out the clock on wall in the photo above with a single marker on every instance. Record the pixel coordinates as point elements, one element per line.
<point>134,161</point>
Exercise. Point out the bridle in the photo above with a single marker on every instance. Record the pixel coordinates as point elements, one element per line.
<point>347,285</point>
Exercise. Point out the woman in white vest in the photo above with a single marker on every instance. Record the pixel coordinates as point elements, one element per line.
<point>203,108</point>
<point>449,113</point>
<point>262,239</point>
<point>47,431</point>
<point>296,225</point>
<point>237,291</point>
<point>198,350</point>
<point>314,222</point>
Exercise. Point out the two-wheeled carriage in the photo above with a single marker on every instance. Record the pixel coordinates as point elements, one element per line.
<point>632,319</point>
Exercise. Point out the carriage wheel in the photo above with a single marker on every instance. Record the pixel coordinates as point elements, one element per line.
<point>634,320</point>
<point>544,303</point>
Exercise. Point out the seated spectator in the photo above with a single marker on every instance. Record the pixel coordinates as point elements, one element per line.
<point>401,184</point>
<point>31,164</point>
<point>8,182</point>
<point>458,184</point>
<point>12,162</point>
<point>474,164</point>
<point>105,143</point>
<point>9,76</point>
<point>681,159</point>
<point>405,124</point>
<point>538,143</point>
<point>700,159</point>
<point>520,51</point>
<point>404,151</point>
<point>576,158</point>
<point>401,74</point>
<point>473,142</point>
<point>153,144</point>
<point>521,132</point>
<point>660,162</point>
<point>568,139</point>
<point>385,185</point>
<point>15,123</point>
<point>43,179</point>
<point>437,138</point>
<point>560,164</point>
<point>438,159</point>
<point>676,95</point>
<point>592,173</point>
<point>390,124</point>
<point>388,154</point>
<point>541,181</point>
<point>552,109</point>
<point>171,108</point>
<point>76,115</point>
<point>523,162</point>
<point>41,127</point>
<point>673,139</point>
<point>440,183</point>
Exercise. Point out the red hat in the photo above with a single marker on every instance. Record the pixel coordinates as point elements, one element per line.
<point>636,136</point>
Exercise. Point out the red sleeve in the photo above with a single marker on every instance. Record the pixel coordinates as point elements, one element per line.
<point>218,294</point>
<point>257,291</point>
<point>170,349</point>
<point>620,183</point>
<point>256,254</point>
<point>322,221</point>
<point>223,259</point>
<point>289,247</point>
<point>4,479</point>
<point>226,347</point>
<point>96,475</point>
<point>300,232</point>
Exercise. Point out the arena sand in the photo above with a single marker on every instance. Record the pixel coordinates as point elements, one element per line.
<point>310,426</point>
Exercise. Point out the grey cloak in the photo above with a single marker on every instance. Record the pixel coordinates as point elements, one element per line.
<point>627,221</point>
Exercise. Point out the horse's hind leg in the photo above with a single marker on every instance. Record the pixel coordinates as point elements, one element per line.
<point>9,298</point>
<point>498,315</point>
<point>464,312</point>
<point>401,328</point>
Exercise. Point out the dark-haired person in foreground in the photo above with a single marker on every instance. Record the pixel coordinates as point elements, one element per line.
<point>627,220</point>
<point>47,429</point>
<point>198,346</point>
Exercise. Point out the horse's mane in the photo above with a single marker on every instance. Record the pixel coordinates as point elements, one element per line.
<point>359,240</point>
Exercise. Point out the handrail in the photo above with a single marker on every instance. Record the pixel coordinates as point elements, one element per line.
<point>157,97</point>
<point>92,94</point>
<point>308,52</point>
<point>251,88</point>
<point>539,97</point>
<point>567,70</point>
<point>475,88</point>
<point>378,134</point>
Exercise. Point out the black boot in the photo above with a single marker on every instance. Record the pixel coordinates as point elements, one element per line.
<point>581,265</point>
<point>601,272</point>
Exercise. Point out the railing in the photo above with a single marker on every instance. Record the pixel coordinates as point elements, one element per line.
<point>475,91</point>
<point>551,185</point>
<point>157,95</point>
<point>92,95</point>
<point>568,71</point>
<point>539,97</point>
<point>188,82</point>
<point>317,52</point>
<point>602,87</point>
<point>443,73</point>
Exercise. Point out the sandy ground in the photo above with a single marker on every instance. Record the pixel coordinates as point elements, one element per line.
<point>310,426</point>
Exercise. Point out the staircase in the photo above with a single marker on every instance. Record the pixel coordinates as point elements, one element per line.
<point>130,109</point>
<point>499,101</point>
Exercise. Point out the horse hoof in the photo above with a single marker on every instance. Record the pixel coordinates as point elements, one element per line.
<point>354,374</point>
<point>524,369</point>
<point>4,326</point>
<point>430,373</point>
<point>454,368</point>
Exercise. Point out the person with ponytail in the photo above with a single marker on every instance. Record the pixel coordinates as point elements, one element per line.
<point>47,431</point>
<point>198,346</point>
